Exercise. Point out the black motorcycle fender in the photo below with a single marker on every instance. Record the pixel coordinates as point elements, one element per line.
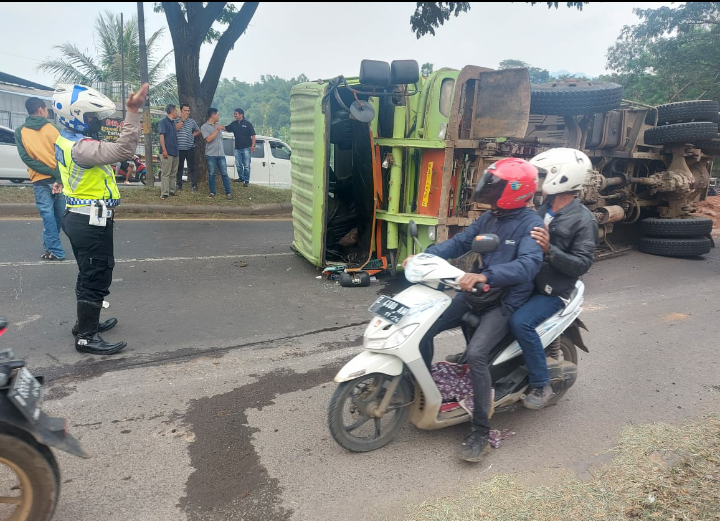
<point>47,431</point>
<point>573,333</point>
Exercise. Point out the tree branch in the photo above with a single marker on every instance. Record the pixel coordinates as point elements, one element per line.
<point>176,22</point>
<point>236,28</point>
<point>207,18</point>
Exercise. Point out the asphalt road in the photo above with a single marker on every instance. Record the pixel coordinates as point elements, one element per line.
<point>217,410</point>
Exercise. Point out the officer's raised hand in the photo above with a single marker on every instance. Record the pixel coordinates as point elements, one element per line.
<point>137,100</point>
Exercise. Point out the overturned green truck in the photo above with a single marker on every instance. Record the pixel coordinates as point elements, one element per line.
<point>372,153</point>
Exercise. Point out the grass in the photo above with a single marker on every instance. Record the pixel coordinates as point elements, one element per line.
<point>659,472</point>
<point>242,196</point>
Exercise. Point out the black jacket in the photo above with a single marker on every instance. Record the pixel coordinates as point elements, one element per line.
<point>573,238</point>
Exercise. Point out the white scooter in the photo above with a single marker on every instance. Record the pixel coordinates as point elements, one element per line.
<point>389,381</point>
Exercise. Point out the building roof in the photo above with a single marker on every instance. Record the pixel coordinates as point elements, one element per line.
<point>14,80</point>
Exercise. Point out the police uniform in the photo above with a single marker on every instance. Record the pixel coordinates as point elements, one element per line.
<point>91,198</point>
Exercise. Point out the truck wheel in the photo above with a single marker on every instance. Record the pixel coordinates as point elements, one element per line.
<point>692,227</point>
<point>710,146</point>
<point>573,98</point>
<point>681,133</point>
<point>686,247</point>
<point>702,110</point>
<point>350,425</point>
<point>35,486</point>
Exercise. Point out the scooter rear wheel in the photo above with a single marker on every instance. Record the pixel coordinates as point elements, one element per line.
<point>348,419</point>
<point>29,480</point>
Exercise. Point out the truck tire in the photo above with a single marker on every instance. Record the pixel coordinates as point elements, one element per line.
<point>681,133</point>
<point>710,146</point>
<point>686,247</point>
<point>693,227</point>
<point>574,98</point>
<point>702,110</point>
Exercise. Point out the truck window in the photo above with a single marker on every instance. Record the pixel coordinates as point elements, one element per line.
<point>229,146</point>
<point>279,150</point>
<point>259,149</point>
<point>446,92</point>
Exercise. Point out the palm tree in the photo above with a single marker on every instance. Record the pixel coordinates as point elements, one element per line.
<point>77,66</point>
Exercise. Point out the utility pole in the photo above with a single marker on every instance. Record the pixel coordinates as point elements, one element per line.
<point>122,62</point>
<point>147,122</point>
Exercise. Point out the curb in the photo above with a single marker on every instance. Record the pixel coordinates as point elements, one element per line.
<point>21,209</point>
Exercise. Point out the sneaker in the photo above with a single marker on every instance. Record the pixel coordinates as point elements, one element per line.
<point>246,184</point>
<point>538,397</point>
<point>194,189</point>
<point>474,446</point>
<point>455,359</point>
<point>163,197</point>
<point>237,180</point>
<point>229,197</point>
<point>173,194</point>
<point>212,195</point>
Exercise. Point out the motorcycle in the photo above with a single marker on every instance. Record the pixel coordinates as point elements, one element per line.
<point>388,382</point>
<point>30,476</point>
<point>139,174</point>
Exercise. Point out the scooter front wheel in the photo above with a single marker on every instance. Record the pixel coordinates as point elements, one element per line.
<point>352,417</point>
<point>29,479</point>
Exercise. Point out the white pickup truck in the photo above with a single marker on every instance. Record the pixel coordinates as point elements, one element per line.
<point>11,166</point>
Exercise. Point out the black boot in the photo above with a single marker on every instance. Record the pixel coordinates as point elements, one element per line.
<point>88,340</point>
<point>103,326</point>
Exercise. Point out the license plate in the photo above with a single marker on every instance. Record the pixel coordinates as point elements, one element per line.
<point>389,309</point>
<point>26,394</point>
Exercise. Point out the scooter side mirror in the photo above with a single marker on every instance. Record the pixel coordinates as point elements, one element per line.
<point>486,243</point>
<point>413,229</point>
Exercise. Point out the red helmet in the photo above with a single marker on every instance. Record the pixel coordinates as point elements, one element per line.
<point>508,184</point>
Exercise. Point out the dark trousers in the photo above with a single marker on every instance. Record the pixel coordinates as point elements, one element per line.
<point>493,327</point>
<point>93,249</point>
<point>523,323</point>
<point>189,156</point>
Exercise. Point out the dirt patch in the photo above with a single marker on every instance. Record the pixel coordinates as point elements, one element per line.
<point>659,472</point>
<point>710,209</point>
<point>229,480</point>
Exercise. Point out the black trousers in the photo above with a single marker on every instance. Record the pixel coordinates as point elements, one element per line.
<point>493,327</point>
<point>189,156</point>
<point>93,249</point>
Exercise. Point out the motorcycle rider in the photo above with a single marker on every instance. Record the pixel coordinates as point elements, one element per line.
<point>91,195</point>
<point>507,186</point>
<point>568,239</point>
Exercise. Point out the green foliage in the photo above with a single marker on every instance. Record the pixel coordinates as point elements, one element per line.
<point>426,69</point>
<point>429,16</point>
<point>536,75</point>
<point>672,55</point>
<point>266,103</point>
<point>80,66</point>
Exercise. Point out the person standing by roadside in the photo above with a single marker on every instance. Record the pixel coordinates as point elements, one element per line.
<point>91,196</point>
<point>187,129</point>
<point>169,147</point>
<point>215,152</point>
<point>35,142</point>
<point>244,145</point>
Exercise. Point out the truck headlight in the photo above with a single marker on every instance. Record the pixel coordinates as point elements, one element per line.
<point>432,233</point>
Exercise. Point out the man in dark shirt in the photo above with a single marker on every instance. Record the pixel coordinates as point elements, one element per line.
<point>244,145</point>
<point>170,151</point>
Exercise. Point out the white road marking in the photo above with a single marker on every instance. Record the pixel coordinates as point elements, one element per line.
<point>158,259</point>
<point>23,323</point>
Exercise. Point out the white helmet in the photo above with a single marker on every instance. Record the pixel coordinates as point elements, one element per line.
<point>73,103</point>
<point>565,170</point>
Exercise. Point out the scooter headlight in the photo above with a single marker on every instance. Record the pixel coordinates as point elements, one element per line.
<point>394,340</point>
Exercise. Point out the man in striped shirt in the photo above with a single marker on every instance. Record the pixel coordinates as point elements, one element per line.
<point>187,129</point>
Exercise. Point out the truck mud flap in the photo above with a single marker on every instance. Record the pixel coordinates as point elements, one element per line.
<point>573,333</point>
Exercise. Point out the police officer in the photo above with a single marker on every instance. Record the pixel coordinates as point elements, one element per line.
<point>91,197</point>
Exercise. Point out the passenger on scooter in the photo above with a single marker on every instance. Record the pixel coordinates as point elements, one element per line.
<point>507,186</point>
<point>568,239</point>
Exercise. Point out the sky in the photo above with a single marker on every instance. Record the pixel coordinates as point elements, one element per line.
<point>325,40</point>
